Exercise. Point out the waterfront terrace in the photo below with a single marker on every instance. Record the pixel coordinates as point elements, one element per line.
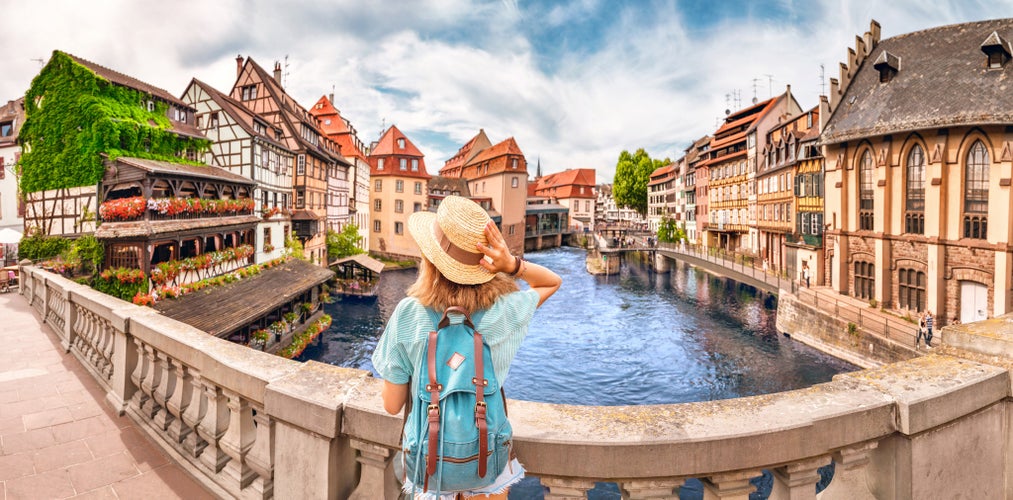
<point>247,424</point>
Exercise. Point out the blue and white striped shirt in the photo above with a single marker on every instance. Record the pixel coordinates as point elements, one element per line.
<point>503,326</point>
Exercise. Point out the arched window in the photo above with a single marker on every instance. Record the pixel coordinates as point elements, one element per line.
<point>865,192</point>
<point>865,280</point>
<point>914,215</point>
<point>976,192</point>
<point>911,289</point>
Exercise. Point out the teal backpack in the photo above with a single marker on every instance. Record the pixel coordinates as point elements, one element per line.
<point>456,435</point>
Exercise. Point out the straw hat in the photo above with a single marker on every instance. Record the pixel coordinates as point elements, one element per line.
<point>448,237</point>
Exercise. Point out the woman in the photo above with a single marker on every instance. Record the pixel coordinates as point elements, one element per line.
<point>465,264</point>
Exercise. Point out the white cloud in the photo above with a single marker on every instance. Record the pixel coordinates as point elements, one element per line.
<point>443,69</point>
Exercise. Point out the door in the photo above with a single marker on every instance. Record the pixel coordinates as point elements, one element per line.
<point>973,302</point>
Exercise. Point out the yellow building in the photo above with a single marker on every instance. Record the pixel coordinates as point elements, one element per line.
<point>398,181</point>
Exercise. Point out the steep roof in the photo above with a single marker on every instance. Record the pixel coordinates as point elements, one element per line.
<point>337,128</point>
<point>242,115</point>
<point>388,146</point>
<point>201,171</point>
<point>13,111</point>
<point>506,147</point>
<point>567,184</point>
<point>442,184</point>
<point>468,151</point>
<point>942,82</point>
<point>662,174</point>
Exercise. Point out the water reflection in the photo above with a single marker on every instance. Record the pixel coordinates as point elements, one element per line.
<point>647,337</point>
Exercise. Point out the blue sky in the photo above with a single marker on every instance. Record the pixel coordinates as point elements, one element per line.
<point>574,82</point>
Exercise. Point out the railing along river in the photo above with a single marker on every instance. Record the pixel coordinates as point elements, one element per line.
<point>251,425</point>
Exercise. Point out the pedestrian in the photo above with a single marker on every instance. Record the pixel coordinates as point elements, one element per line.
<point>928,329</point>
<point>465,264</point>
<point>921,331</point>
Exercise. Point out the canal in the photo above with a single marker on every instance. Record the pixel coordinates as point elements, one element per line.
<point>635,338</point>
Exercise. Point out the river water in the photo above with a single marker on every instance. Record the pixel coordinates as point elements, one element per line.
<point>634,338</point>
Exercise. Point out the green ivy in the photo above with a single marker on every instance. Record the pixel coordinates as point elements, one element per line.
<point>39,247</point>
<point>74,115</point>
<point>125,291</point>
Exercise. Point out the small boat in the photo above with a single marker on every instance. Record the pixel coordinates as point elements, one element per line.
<point>357,276</point>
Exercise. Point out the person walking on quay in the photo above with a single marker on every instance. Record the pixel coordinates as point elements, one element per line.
<point>921,331</point>
<point>928,329</point>
<point>805,274</point>
<point>466,267</point>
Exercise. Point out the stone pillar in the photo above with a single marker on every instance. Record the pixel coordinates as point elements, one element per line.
<point>797,481</point>
<point>936,286</point>
<point>661,263</point>
<point>729,486</point>
<point>1002,286</point>
<point>124,360</point>
<point>563,488</point>
<point>850,481</point>
<point>884,261</point>
<point>376,476</point>
<point>652,489</point>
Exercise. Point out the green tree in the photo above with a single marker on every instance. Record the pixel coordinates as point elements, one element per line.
<point>670,232</point>
<point>633,171</point>
<point>345,243</point>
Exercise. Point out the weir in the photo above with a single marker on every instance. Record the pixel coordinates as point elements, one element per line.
<point>250,425</point>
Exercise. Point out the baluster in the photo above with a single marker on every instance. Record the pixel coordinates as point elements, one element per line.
<point>797,481</point>
<point>101,329</point>
<point>110,341</point>
<point>164,389</point>
<point>212,427</point>
<point>238,439</point>
<point>178,403</point>
<point>261,456</point>
<point>197,407</point>
<point>82,342</point>
<point>563,488</point>
<point>150,382</point>
<point>849,482</point>
<point>374,479</point>
<point>729,486</point>
<point>80,320</point>
<point>662,489</point>
<point>140,373</point>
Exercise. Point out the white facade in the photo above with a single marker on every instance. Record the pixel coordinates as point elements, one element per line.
<point>337,197</point>
<point>12,115</point>
<point>360,173</point>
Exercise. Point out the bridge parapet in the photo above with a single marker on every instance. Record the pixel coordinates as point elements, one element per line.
<point>251,425</point>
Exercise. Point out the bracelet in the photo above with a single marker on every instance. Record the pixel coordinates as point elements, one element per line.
<point>517,267</point>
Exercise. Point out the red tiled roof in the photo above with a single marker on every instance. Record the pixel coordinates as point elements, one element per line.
<point>566,184</point>
<point>387,148</point>
<point>243,116</point>
<point>506,147</point>
<point>331,122</point>
<point>467,152</point>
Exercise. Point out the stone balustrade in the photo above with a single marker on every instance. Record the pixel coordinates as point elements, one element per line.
<point>252,425</point>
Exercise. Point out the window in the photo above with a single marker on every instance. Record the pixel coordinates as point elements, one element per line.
<point>976,192</point>
<point>267,238</point>
<point>300,165</point>
<point>249,92</point>
<point>377,205</point>
<point>510,228</point>
<point>299,199</point>
<point>587,205</point>
<point>398,206</point>
<point>911,290</point>
<point>513,164</point>
<point>415,164</point>
<point>151,106</point>
<point>914,205</point>
<point>418,188</point>
<point>404,164</point>
<point>376,226</point>
<point>398,186</point>
<point>514,182</point>
<point>400,142</point>
<point>399,228</point>
<point>865,192</point>
<point>865,280</point>
<point>378,185</point>
<point>379,164</point>
<point>7,128</point>
<point>417,207</point>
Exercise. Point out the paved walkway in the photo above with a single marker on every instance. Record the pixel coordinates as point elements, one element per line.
<point>58,436</point>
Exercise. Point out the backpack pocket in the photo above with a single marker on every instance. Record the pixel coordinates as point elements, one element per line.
<point>458,469</point>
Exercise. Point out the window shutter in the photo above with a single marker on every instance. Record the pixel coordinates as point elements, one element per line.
<point>3,168</point>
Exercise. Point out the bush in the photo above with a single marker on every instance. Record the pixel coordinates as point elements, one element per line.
<point>114,283</point>
<point>40,246</point>
<point>89,251</point>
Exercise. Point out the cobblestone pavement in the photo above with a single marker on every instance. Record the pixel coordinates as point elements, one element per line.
<point>58,436</point>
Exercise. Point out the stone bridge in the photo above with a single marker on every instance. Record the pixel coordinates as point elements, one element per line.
<point>247,424</point>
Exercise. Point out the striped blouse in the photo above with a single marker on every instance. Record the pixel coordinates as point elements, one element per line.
<point>503,327</point>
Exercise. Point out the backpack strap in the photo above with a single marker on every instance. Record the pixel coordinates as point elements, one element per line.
<point>480,406</point>
<point>433,410</point>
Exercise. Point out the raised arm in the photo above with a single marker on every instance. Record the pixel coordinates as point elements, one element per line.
<point>500,260</point>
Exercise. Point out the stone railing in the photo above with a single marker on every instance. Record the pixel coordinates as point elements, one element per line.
<point>250,425</point>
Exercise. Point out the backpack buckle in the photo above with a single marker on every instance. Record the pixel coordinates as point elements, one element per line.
<point>485,382</point>
<point>433,407</point>
<point>429,388</point>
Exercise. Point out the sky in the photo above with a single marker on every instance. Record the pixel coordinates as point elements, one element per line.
<point>573,82</point>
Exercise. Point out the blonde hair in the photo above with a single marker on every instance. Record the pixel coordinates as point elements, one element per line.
<point>434,290</point>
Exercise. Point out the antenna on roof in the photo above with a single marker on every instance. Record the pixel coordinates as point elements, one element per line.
<point>823,82</point>
<point>738,98</point>
<point>41,61</point>
<point>728,104</point>
<point>285,74</point>
<point>383,126</point>
<point>754,90</point>
<point>770,85</point>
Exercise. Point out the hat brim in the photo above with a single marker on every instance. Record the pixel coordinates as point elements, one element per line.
<point>420,226</point>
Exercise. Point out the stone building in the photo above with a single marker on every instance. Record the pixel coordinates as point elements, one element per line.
<point>695,154</point>
<point>316,156</point>
<point>918,147</point>
<point>399,177</point>
<point>12,211</point>
<point>246,144</point>
<point>499,172</point>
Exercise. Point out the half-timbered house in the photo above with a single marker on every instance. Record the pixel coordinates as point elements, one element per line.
<point>339,185</point>
<point>316,155</point>
<point>247,144</point>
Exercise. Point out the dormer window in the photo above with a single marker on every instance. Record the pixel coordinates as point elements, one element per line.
<point>997,50</point>
<point>151,105</point>
<point>7,129</point>
<point>249,92</point>
<point>400,142</point>
<point>888,65</point>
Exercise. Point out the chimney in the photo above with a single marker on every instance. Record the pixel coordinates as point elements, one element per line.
<point>239,64</point>
<point>330,97</point>
<point>277,72</point>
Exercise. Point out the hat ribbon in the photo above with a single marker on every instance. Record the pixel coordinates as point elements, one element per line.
<point>455,252</point>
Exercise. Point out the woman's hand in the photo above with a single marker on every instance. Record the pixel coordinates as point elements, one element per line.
<point>497,255</point>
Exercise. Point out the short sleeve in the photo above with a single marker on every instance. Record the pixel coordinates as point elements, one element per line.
<point>390,358</point>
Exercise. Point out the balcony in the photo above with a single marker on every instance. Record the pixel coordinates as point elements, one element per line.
<point>136,208</point>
